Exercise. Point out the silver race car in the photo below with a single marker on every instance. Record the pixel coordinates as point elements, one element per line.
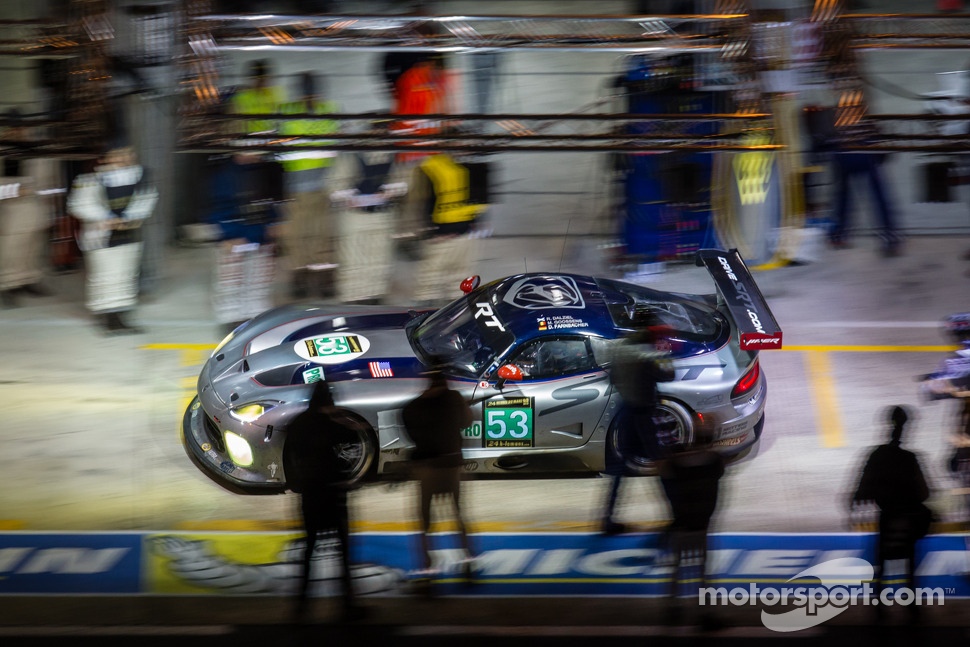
<point>530,353</point>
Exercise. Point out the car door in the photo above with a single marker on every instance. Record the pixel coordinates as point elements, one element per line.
<point>557,403</point>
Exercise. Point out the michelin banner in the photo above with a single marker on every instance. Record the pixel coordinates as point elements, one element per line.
<point>519,564</point>
<point>108,563</point>
<point>515,564</point>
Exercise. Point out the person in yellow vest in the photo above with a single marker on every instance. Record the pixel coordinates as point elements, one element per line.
<point>445,193</point>
<point>259,98</point>
<point>309,231</point>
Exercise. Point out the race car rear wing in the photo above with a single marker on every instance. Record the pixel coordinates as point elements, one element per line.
<point>744,301</point>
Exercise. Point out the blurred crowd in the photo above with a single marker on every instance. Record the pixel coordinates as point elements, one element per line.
<point>336,220</point>
<point>329,223</point>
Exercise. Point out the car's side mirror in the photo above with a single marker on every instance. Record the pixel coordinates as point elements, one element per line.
<point>508,372</point>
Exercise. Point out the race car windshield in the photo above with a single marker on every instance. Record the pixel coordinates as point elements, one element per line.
<point>691,320</point>
<point>466,343</point>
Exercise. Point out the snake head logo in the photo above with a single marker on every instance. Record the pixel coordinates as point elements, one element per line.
<point>541,292</point>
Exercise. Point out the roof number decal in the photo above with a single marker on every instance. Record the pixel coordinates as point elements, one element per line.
<point>332,349</point>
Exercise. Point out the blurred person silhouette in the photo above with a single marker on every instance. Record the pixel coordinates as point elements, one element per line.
<point>309,230</point>
<point>421,90</point>
<point>867,166</point>
<point>366,205</point>
<point>959,461</point>
<point>258,97</point>
<point>313,469</point>
<point>243,203</point>
<point>445,199</point>
<point>112,202</point>
<point>25,216</point>
<point>394,64</point>
<point>952,381</point>
<point>893,479</point>
<point>638,366</point>
<point>434,421</point>
<point>690,476</point>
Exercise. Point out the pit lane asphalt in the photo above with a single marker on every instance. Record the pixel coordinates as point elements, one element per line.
<point>90,424</point>
<point>149,622</point>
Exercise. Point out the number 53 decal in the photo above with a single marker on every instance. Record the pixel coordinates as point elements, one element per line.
<point>509,423</point>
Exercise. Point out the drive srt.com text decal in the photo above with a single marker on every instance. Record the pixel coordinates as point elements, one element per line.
<point>743,296</point>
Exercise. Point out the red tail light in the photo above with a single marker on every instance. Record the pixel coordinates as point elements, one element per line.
<point>747,381</point>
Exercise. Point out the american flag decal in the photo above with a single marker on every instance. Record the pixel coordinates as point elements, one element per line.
<point>380,369</point>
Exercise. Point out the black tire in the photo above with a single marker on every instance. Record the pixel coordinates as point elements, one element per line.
<point>360,458</point>
<point>674,426</point>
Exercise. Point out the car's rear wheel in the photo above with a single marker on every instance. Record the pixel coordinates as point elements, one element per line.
<point>674,426</point>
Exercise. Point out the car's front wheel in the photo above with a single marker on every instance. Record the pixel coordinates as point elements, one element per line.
<point>633,456</point>
<point>358,457</point>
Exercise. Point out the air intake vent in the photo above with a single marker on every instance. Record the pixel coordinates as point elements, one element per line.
<point>212,432</point>
<point>279,376</point>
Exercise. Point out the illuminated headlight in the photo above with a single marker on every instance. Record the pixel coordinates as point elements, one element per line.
<point>251,412</point>
<point>239,450</point>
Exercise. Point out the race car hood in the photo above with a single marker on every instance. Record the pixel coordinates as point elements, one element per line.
<point>747,307</point>
<point>299,344</point>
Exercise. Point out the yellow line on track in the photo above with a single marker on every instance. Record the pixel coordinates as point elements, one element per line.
<point>826,402</point>
<point>872,349</point>
<point>178,347</point>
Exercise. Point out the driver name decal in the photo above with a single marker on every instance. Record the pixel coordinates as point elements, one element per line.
<point>332,349</point>
<point>509,423</point>
<point>558,322</point>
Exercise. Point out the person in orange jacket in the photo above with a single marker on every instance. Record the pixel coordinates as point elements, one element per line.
<point>421,90</point>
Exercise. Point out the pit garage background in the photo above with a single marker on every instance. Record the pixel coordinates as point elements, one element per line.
<point>92,460</point>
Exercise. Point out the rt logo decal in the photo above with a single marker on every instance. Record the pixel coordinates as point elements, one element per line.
<point>485,310</point>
